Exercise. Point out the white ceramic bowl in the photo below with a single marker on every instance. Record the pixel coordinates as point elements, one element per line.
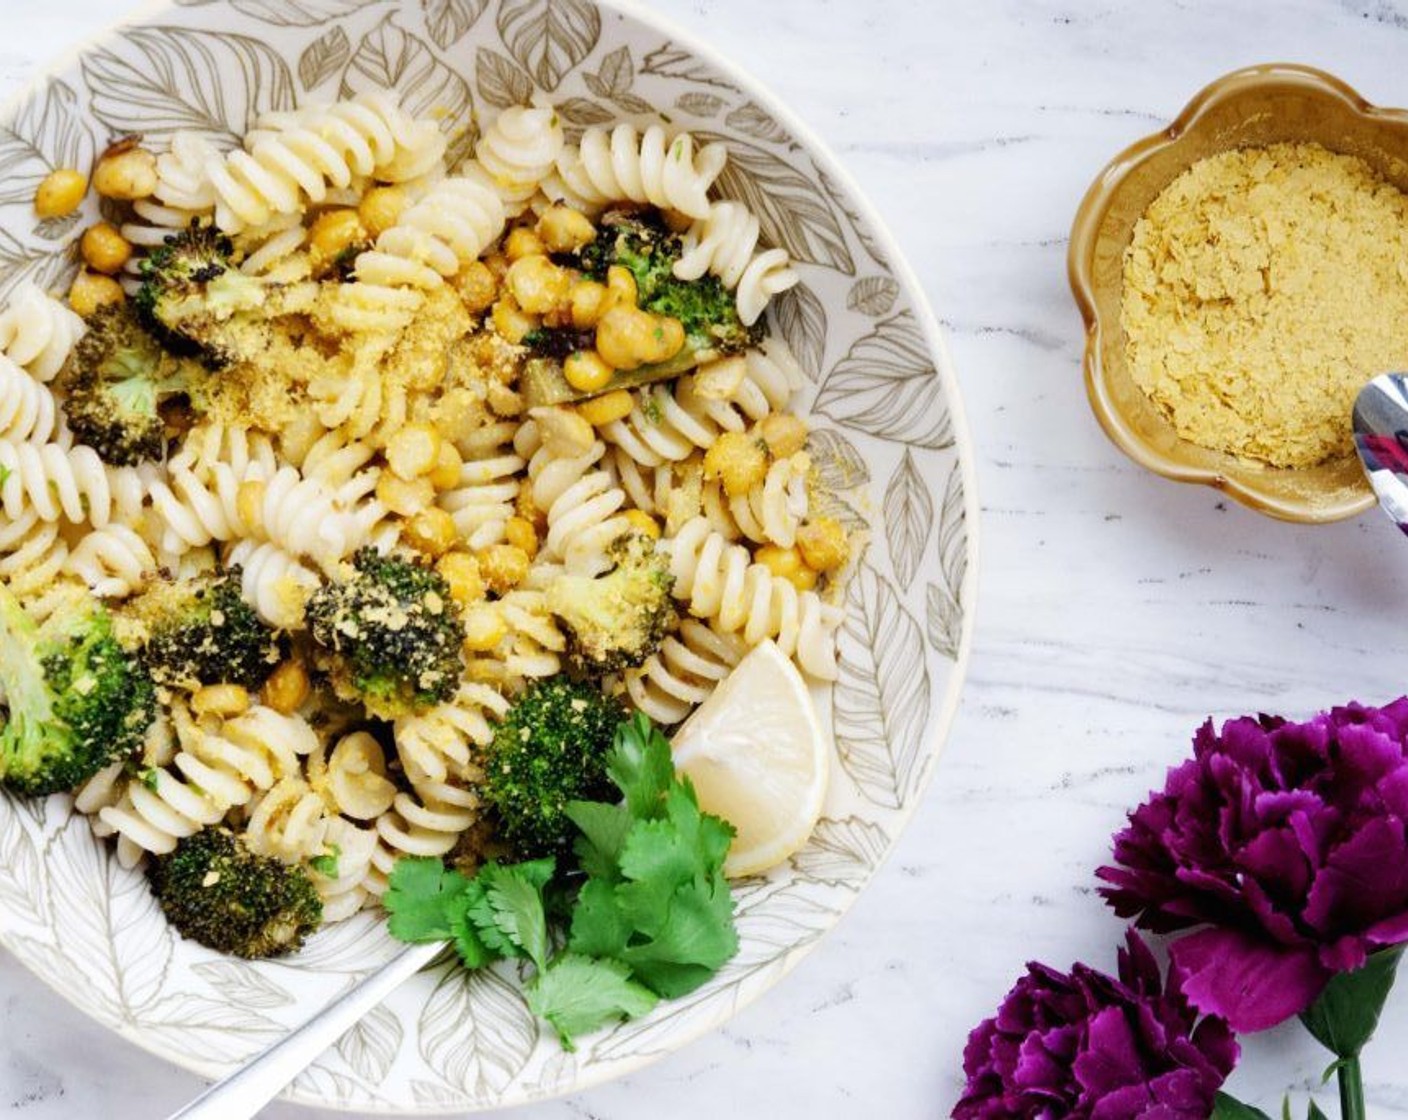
<point>884,406</point>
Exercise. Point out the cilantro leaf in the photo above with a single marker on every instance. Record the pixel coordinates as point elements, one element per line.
<point>421,897</point>
<point>578,994</point>
<point>691,944</point>
<point>604,828</point>
<point>640,764</point>
<point>599,929</point>
<point>469,944</point>
<point>515,898</point>
<point>659,852</point>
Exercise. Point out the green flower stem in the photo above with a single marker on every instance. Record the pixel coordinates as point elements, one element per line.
<point>1351,1079</point>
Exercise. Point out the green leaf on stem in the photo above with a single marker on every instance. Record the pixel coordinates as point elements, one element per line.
<point>1314,1112</point>
<point>1343,1019</point>
<point>1230,1108</point>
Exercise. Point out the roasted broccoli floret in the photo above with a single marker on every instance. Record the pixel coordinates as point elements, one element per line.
<point>214,890</point>
<point>617,620</point>
<point>648,250</point>
<point>390,632</point>
<point>196,300</point>
<point>550,749</point>
<point>197,630</point>
<point>77,700</point>
<point>115,383</point>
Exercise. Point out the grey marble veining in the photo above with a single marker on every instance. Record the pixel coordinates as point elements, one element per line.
<point>1116,610</point>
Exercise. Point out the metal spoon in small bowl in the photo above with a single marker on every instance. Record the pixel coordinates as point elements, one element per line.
<point>1381,438</point>
<point>241,1094</point>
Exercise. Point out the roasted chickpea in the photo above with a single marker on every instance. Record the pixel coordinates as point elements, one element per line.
<point>431,532</point>
<point>503,567</point>
<point>92,290</point>
<point>643,523</point>
<point>622,285</point>
<point>586,372</point>
<point>380,209</point>
<point>615,405</point>
<point>220,700</point>
<point>446,475</point>
<point>334,232</point>
<point>511,321</point>
<point>623,337</point>
<point>478,287</point>
<point>60,193</point>
<point>523,242</point>
<point>784,434</point>
<point>104,249</point>
<point>519,532</point>
<point>414,450</point>
<point>287,687</point>
<point>589,302</point>
<point>786,563</point>
<point>738,460</point>
<point>125,171</point>
<point>461,571</point>
<point>565,230</point>
<point>537,284</point>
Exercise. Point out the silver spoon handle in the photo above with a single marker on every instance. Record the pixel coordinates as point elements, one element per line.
<point>244,1092</point>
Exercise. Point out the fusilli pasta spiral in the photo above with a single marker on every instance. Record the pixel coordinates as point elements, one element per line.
<point>344,893</point>
<point>685,670</point>
<point>37,332</point>
<point>451,226</point>
<point>426,822</point>
<point>55,481</point>
<point>351,778</point>
<point>274,582</point>
<point>28,411</point>
<point>581,503</point>
<point>113,561</point>
<point>32,554</point>
<point>289,821</point>
<point>440,743</point>
<point>624,165</point>
<point>721,584</point>
<point>669,426</point>
<point>725,242</point>
<point>518,151</point>
<point>290,157</point>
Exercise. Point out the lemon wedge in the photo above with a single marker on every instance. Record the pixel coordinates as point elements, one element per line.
<point>757,756</point>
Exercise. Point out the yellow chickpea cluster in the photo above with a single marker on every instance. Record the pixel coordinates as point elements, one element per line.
<point>740,462</point>
<point>125,172</point>
<point>539,292</point>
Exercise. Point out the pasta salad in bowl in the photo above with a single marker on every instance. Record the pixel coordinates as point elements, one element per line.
<point>408,419</point>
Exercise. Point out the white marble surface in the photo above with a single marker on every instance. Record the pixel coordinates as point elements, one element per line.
<point>1116,610</point>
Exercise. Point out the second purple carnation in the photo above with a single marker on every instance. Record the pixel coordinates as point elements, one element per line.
<point>1087,1046</point>
<point>1282,847</point>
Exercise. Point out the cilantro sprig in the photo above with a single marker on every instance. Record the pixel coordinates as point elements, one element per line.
<point>650,915</point>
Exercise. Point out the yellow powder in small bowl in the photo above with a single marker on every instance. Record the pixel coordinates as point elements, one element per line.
<point>1262,289</point>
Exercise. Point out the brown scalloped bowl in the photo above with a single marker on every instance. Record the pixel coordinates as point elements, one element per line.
<point>1253,107</point>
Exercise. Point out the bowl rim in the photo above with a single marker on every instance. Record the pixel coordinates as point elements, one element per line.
<point>1090,215</point>
<point>945,707</point>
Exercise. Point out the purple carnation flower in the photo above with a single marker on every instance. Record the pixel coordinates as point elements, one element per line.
<point>1090,1047</point>
<point>1285,842</point>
